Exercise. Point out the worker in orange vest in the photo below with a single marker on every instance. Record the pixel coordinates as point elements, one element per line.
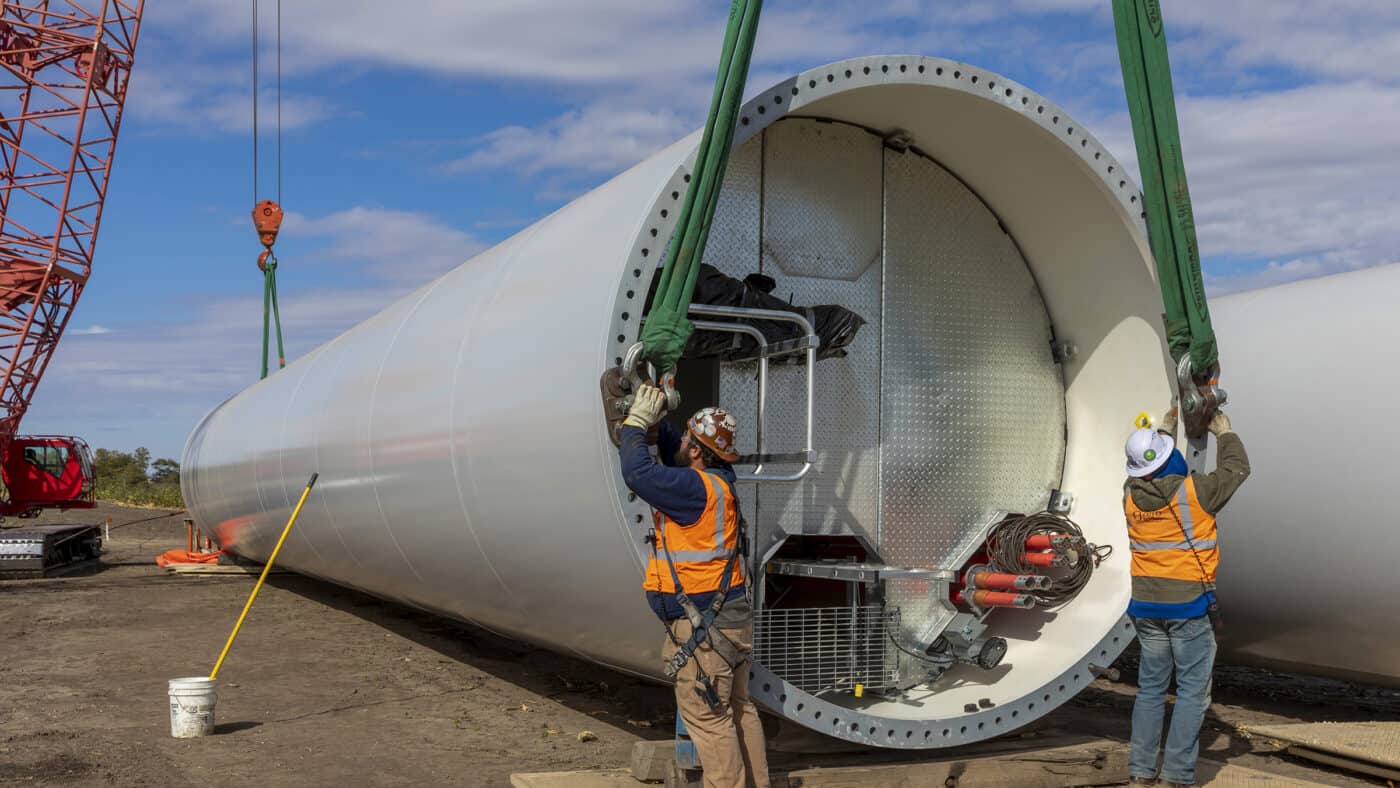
<point>1171,532</point>
<point>695,581</point>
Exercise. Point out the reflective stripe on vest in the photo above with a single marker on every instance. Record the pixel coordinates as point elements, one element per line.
<point>700,550</point>
<point>1162,540</point>
<point>1203,544</point>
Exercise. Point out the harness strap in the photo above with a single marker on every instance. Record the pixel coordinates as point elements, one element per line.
<point>1188,529</point>
<point>702,623</point>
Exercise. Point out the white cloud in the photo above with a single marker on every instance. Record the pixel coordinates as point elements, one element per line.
<point>212,100</point>
<point>1316,39</point>
<point>599,139</point>
<point>627,42</point>
<point>1319,39</point>
<point>90,331</point>
<point>397,246</point>
<point>1301,176</point>
<point>1306,178</point>
<point>569,43</point>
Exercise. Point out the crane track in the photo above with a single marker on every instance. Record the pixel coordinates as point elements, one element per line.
<point>47,550</point>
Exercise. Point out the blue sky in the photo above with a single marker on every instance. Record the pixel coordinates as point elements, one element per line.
<point>417,134</point>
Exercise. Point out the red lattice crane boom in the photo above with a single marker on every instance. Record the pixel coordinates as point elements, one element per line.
<point>64,70</point>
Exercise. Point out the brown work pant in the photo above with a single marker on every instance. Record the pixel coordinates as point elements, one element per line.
<point>729,740</point>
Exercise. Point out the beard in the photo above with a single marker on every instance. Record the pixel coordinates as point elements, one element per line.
<point>682,458</point>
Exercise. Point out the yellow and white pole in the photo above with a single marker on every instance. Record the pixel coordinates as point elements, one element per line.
<point>213,674</point>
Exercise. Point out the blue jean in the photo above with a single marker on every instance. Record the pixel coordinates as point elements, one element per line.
<point>1188,645</point>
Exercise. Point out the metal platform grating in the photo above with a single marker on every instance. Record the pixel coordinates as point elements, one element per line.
<point>821,649</point>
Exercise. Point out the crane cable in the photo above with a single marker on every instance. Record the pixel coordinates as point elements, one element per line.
<point>267,214</point>
<point>667,329</point>
<point>1147,83</point>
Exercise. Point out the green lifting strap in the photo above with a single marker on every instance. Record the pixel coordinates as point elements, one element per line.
<point>667,329</point>
<point>1147,80</point>
<point>271,312</point>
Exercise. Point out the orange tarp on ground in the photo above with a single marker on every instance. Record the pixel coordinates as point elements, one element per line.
<point>186,557</point>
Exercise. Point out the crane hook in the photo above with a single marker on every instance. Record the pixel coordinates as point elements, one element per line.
<point>267,220</point>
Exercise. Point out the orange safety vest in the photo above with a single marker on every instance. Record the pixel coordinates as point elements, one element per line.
<point>700,550</point>
<point>1161,541</point>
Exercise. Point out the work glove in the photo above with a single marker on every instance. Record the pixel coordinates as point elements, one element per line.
<point>1168,423</point>
<point>1219,424</point>
<point>647,407</point>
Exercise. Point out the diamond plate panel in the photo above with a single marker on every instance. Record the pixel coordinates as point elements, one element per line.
<point>734,231</point>
<point>821,243</point>
<point>733,249</point>
<point>821,196</point>
<point>972,403</point>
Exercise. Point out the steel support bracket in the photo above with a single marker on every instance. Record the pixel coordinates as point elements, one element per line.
<point>1063,350</point>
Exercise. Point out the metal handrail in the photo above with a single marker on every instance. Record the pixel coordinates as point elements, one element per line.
<point>811,345</point>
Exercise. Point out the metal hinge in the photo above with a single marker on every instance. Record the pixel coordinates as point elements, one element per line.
<point>1060,502</point>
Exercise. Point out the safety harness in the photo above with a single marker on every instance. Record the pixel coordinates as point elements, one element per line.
<point>1217,621</point>
<point>702,623</point>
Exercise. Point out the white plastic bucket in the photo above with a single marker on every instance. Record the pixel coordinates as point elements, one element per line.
<point>192,707</point>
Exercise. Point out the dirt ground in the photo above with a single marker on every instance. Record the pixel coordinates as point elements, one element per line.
<point>328,686</point>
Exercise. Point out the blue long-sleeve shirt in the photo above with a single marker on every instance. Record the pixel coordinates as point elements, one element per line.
<point>677,492</point>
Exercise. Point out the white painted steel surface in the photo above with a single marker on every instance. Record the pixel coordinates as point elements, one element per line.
<point>464,464</point>
<point>1309,545</point>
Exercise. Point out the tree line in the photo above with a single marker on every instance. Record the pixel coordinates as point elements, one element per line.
<point>135,478</point>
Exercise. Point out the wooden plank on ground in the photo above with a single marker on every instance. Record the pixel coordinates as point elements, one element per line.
<point>1367,747</point>
<point>1105,763</point>
<point>1212,774</point>
<point>1102,762</point>
<point>219,569</point>
<point>598,778</point>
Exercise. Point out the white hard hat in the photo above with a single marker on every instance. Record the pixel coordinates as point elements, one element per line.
<point>1147,450</point>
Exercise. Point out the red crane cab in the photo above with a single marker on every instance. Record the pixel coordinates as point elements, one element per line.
<point>47,471</point>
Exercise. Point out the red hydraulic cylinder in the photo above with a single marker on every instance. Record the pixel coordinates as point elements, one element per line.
<point>983,577</point>
<point>997,599</point>
<point>1044,559</point>
<point>1045,541</point>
